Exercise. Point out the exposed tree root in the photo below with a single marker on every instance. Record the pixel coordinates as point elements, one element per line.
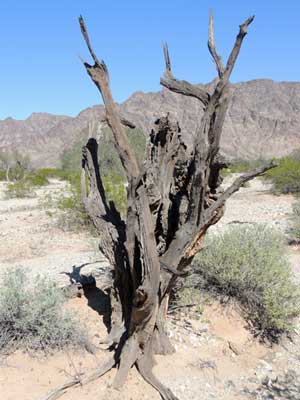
<point>128,357</point>
<point>144,366</point>
<point>131,354</point>
<point>80,381</point>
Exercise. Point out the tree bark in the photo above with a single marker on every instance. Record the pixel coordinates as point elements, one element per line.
<point>172,201</point>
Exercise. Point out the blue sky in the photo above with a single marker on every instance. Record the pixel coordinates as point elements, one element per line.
<point>40,42</point>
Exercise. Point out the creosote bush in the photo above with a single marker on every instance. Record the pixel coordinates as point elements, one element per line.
<point>249,264</point>
<point>32,316</point>
<point>286,177</point>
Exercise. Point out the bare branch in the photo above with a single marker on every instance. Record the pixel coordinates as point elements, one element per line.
<point>87,40</point>
<point>185,88</point>
<point>236,48</point>
<point>100,76</point>
<point>127,123</point>
<point>182,87</point>
<point>212,46</point>
<point>95,374</point>
<point>235,187</point>
<point>167,57</point>
<point>124,121</point>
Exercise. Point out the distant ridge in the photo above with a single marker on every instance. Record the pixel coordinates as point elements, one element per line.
<point>263,121</point>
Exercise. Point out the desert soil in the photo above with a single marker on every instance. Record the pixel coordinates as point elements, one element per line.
<point>216,356</point>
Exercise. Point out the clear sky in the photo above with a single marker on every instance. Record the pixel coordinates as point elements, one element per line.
<point>40,42</point>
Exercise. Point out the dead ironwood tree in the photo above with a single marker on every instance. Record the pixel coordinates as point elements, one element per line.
<point>172,201</point>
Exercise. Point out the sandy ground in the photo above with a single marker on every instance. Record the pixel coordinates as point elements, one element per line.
<point>216,356</point>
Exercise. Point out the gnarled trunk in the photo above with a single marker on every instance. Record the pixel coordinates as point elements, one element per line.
<point>172,201</point>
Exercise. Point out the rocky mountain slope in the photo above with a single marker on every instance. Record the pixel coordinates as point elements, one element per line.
<point>263,121</point>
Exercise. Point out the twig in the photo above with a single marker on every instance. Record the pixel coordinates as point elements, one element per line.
<point>76,381</point>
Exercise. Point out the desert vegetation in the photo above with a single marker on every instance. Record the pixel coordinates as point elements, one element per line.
<point>23,180</point>
<point>14,165</point>
<point>294,230</point>
<point>249,263</point>
<point>285,177</point>
<point>32,316</point>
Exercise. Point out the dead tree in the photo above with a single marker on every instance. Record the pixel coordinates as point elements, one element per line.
<point>172,201</point>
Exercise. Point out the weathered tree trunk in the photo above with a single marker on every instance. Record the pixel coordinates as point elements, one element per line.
<point>172,201</point>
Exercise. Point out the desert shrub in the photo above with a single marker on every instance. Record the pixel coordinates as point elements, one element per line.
<point>294,230</point>
<point>37,179</point>
<point>66,204</point>
<point>71,214</point>
<point>240,166</point>
<point>2,175</point>
<point>249,264</point>
<point>17,165</point>
<point>115,190</point>
<point>57,173</point>
<point>71,158</point>
<point>286,177</point>
<point>108,156</point>
<point>32,316</point>
<point>188,297</point>
<point>19,189</point>
<point>25,187</point>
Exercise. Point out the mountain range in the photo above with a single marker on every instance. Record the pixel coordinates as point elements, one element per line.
<point>263,121</point>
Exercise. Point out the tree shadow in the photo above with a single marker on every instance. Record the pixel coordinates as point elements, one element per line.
<point>97,299</point>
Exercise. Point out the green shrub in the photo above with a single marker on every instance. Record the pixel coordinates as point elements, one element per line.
<point>108,155</point>
<point>19,189</point>
<point>2,175</point>
<point>54,173</point>
<point>115,190</point>
<point>32,316</point>
<point>16,164</point>
<point>37,179</point>
<point>25,187</point>
<point>249,263</point>
<point>32,180</point>
<point>71,212</point>
<point>294,230</point>
<point>240,166</point>
<point>286,177</point>
<point>189,298</point>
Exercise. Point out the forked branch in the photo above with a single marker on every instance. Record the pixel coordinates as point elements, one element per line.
<point>182,87</point>
<point>212,46</point>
